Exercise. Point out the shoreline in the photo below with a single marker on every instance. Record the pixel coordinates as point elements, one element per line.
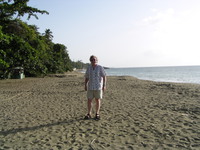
<point>80,72</point>
<point>47,113</point>
<point>185,74</point>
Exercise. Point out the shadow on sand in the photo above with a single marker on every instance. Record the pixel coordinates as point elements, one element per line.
<point>64,122</point>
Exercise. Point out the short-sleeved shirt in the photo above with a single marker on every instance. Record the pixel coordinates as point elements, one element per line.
<point>95,77</point>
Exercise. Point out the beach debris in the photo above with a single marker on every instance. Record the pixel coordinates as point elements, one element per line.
<point>91,145</point>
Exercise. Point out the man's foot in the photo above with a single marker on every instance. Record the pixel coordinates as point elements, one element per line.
<point>88,116</point>
<point>97,117</point>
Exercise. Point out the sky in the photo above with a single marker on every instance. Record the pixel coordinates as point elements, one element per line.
<point>124,33</point>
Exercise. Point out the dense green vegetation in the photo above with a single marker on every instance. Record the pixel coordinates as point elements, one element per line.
<point>79,64</point>
<point>21,45</point>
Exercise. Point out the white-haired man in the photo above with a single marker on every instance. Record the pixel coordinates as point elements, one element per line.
<point>95,84</point>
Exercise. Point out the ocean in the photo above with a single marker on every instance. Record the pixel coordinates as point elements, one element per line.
<point>180,74</point>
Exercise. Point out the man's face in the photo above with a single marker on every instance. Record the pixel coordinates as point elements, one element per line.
<point>93,61</point>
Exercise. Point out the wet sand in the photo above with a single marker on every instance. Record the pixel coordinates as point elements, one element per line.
<point>47,113</point>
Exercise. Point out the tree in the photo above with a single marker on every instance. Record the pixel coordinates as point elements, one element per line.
<point>4,40</point>
<point>48,35</point>
<point>61,58</point>
<point>18,8</point>
<point>79,64</point>
<point>21,45</point>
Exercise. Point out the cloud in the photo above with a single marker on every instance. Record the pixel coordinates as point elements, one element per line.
<point>158,17</point>
<point>171,37</point>
<point>154,10</point>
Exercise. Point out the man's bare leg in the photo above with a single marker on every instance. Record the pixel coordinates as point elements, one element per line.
<point>98,105</point>
<point>89,106</point>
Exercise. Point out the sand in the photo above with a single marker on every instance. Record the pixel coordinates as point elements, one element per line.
<point>47,113</point>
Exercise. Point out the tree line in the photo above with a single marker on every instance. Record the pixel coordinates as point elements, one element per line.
<point>21,45</point>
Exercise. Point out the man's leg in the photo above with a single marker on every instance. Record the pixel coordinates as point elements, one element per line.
<point>89,106</point>
<point>98,105</point>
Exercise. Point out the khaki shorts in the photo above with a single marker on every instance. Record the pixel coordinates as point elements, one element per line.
<point>97,94</point>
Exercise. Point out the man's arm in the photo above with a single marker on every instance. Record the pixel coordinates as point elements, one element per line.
<point>104,83</point>
<point>86,83</point>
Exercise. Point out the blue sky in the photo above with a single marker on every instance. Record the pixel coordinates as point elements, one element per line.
<point>125,33</point>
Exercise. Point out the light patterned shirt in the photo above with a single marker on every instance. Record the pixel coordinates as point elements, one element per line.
<point>95,77</point>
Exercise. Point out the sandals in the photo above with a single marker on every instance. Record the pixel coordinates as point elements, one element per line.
<point>88,116</point>
<point>97,117</point>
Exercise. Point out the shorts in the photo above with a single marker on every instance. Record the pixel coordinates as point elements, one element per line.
<point>97,94</point>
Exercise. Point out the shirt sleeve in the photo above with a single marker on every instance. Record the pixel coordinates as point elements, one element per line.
<point>103,73</point>
<point>87,73</point>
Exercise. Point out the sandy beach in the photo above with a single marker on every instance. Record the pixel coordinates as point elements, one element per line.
<point>47,114</point>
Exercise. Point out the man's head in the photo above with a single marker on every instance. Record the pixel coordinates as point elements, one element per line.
<point>93,59</point>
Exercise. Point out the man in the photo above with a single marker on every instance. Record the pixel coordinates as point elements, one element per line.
<point>94,85</point>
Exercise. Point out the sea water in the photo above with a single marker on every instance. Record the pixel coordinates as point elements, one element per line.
<point>182,74</point>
